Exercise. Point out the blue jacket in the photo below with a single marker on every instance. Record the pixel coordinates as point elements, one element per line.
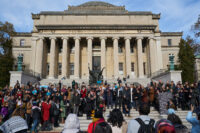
<point>195,123</point>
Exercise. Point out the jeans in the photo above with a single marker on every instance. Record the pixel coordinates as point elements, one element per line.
<point>28,120</point>
<point>75,111</point>
<point>34,127</point>
<point>109,102</point>
<point>118,102</point>
<point>133,104</point>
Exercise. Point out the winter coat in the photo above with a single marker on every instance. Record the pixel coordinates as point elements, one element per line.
<point>93,125</point>
<point>36,113</point>
<point>195,123</point>
<point>4,111</point>
<point>181,128</point>
<point>28,108</point>
<point>63,105</point>
<point>76,100</point>
<point>164,98</point>
<point>45,111</point>
<point>151,95</point>
<point>72,124</point>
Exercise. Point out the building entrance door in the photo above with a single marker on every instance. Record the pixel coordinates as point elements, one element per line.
<point>96,63</point>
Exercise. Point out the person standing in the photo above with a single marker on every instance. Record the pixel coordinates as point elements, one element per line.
<point>45,111</point>
<point>126,101</point>
<point>137,125</point>
<point>119,97</point>
<point>36,115</point>
<point>76,102</point>
<point>63,105</point>
<point>194,121</point>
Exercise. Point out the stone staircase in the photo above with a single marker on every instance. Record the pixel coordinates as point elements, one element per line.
<point>134,114</point>
<point>144,81</point>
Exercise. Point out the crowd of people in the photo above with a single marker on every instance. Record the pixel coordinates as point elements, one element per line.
<point>50,105</point>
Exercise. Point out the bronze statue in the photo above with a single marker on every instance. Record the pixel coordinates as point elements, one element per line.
<point>95,75</point>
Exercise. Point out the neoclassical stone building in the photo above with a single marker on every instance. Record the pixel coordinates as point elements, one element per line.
<point>96,35</point>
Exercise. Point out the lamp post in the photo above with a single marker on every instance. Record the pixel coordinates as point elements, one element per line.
<point>171,61</point>
<point>19,63</point>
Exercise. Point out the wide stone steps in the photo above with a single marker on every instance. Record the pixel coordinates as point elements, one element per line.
<point>134,114</point>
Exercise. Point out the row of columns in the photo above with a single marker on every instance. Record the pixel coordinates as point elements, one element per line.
<point>153,56</point>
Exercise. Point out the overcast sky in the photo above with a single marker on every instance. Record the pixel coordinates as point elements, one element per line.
<point>176,15</point>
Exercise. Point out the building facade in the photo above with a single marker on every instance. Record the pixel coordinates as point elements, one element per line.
<point>96,35</point>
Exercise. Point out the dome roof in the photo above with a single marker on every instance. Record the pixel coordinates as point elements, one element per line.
<point>96,3</point>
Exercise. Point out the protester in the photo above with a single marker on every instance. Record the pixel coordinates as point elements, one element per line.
<point>138,124</point>
<point>36,116</point>
<point>72,124</point>
<point>194,121</point>
<point>99,125</point>
<point>176,121</point>
<point>117,122</point>
<point>57,101</point>
<point>164,126</point>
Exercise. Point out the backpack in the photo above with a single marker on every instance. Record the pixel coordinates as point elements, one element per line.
<point>146,128</point>
<point>102,127</point>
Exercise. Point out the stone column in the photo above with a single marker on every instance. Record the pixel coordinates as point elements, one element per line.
<point>39,57</point>
<point>159,54</point>
<point>140,58</point>
<point>33,56</point>
<point>77,58</point>
<point>152,55</point>
<point>65,57</point>
<point>128,56</point>
<point>115,57</point>
<point>103,56</point>
<point>89,51</point>
<point>52,58</point>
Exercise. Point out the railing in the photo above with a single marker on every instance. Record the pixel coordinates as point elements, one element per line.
<point>159,72</point>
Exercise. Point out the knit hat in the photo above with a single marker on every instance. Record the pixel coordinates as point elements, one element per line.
<point>171,111</point>
<point>98,114</point>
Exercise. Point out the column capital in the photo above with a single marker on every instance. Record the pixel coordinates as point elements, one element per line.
<point>139,37</point>
<point>52,37</point>
<point>151,37</point>
<point>65,37</point>
<point>127,38</point>
<point>77,38</point>
<point>115,37</point>
<point>35,38</point>
<point>90,37</point>
<point>103,38</point>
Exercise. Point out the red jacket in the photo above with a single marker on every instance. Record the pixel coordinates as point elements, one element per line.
<point>45,111</point>
<point>91,127</point>
<point>83,93</point>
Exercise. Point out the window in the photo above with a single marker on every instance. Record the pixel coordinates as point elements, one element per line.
<point>132,47</point>
<point>120,48</point>
<point>169,42</point>
<point>72,48</point>
<point>132,66</point>
<point>48,48</point>
<point>71,65</point>
<point>143,48</point>
<point>60,48</point>
<point>120,66</point>
<point>22,42</point>
<point>144,67</point>
<point>47,68</point>
<point>59,68</point>
<point>144,42</point>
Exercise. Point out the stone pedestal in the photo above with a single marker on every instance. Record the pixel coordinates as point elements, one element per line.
<point>21,77</point>
<point>169,76</point>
